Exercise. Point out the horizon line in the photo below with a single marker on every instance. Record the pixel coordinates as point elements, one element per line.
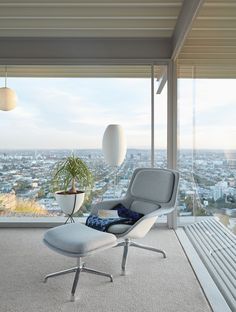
<point>129,148</point>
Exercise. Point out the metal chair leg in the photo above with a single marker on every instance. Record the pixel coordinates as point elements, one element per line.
<point>60,273</point>
<point>76,279</point>
<point>78,269</point>
<point>133,244</point>
<point>88,270</point>
<point>126,243</point>
<point>120,244</point>
<point>125,253</point>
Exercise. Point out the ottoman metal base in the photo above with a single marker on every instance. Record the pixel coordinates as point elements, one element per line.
<point>78,269</point>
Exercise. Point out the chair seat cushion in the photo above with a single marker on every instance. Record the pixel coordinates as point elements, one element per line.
<point>77,239</point>
<point>119,228</point>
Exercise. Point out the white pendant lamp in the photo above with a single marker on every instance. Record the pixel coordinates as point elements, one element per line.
<point>8,97</point>
<point>114,145</point>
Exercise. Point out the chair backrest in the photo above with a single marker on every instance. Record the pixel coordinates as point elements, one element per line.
<point>151,189</point>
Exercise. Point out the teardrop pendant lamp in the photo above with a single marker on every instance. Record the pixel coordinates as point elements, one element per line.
<point>8,97</point>
<point>114,145</point>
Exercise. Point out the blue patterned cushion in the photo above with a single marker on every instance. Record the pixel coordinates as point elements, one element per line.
<point>103,224</point>
<point>123,212</point>
<point>126,216</point>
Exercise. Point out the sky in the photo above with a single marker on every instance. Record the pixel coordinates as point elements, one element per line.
<point>207,113</point>
<point>73,113</point>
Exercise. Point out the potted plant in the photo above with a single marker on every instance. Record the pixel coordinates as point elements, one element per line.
<point>68,174</point>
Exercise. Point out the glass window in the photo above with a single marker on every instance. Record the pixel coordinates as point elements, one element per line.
<point>56,117</point>
<point>207,148</point>
<point>161,118</point>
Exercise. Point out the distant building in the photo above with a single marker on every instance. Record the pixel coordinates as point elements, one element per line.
<point>231,163</point>
<point>219,190</point>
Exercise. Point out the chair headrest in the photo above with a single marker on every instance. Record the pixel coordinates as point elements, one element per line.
<point>152,184</point>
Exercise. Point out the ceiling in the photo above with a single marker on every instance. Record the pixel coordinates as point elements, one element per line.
<point>109,71</point>
<point>210,48</point>
<point>199,34</point>
<point>89,18</point>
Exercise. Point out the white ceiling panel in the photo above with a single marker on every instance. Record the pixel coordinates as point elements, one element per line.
<point>211,44</point>
<point>201,32</point>
<point>92,18</point>
<point>82,71</point>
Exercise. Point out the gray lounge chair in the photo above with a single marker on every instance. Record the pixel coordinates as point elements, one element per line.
<point>152,192</point>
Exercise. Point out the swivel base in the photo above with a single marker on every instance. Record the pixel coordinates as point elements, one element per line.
<point>126,243</point>
<point>78,269</point>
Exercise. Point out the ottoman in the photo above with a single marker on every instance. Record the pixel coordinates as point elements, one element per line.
<point>77,240</point>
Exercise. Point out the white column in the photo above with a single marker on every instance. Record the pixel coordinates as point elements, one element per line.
<point>172,129</point>
<point>152,116</point>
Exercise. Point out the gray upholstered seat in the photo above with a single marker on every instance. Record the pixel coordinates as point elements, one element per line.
<point>153,193</point>
<point>78,240</point>
<point>118,228</point>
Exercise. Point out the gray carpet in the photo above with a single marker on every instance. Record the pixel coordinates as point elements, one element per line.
<point>152,284</point>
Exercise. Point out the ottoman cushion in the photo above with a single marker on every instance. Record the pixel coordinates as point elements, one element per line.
<point>78,240</point>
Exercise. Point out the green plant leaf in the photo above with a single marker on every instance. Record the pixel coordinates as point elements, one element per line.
<point>70,172</point>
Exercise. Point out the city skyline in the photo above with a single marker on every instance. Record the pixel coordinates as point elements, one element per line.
<point>100,149</point>
<point>208,187</point>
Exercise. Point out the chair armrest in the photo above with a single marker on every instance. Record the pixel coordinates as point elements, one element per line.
<point>161,212</point>
<point>143,225</point>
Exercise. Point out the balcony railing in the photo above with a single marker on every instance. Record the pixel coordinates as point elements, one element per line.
<point>215,245</point>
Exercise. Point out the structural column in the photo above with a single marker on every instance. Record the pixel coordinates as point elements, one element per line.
<point>172,128</point>
<point>152,116</point>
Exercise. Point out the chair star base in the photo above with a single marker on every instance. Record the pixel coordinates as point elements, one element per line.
<point>77,270</point>
<point>126,243</point>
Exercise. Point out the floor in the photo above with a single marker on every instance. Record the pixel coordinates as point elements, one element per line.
<point>152,284</point>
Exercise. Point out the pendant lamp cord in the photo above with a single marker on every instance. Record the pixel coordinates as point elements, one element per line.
<point>5,76</point>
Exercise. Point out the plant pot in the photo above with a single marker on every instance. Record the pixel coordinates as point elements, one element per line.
<point>66,201</point>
